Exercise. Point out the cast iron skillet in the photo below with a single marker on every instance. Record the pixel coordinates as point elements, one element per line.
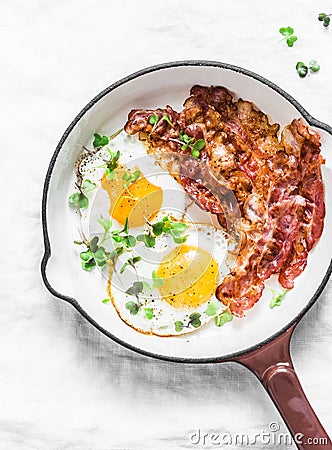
<point>261,341</point>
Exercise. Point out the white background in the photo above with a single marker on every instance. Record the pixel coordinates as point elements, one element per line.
<point>63,385</point>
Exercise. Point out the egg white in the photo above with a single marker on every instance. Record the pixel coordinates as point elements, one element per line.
<point>176,204</point>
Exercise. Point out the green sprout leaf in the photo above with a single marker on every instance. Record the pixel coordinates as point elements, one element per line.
<point>291,40</point>
<point>157,228</point>
<point>289,36</point>
<point>199,145</point>
<point>178,325</point>
<point>112,163</point>
<point>105,223</point>
<point>169,226</point>
<point>314,66</point>
<point>148,240</point>
<point>100,141</point>
<point>133,307</point>
<point>213,308</point>
<point>326,21</point>
<point>100,256</point>
<point>177,238</point>
<point>135,289</point>
<point>86,256</point>
<point>89,265</point>
<point>129,241</point>
<point>130,262</point>
<point>79,199</point>
<point>94,244</point>
<point>301,69</point>
<point>167,119</point>
<point>224,317</point>
<point>106,300</point>
<point>194,319</point>
<point>156,281</point>
<point>277,298</point>
<point>148,313</point>
<point>125,228</point>
<point>115,253</point>
<point>153,120</point>
<point>288,31</point>
<point>131,178</point>
<point>325,18</point>
<point>88,186</point>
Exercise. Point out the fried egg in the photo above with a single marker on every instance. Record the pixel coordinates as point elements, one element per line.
<point>178,281</point>
<point>190,274</point>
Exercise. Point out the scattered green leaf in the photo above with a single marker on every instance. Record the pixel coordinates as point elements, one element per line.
<point>112,163</point>
<point>302,69</point>
<point>106,300</point>
<point>79,199</point>
<point>224,317</point>
<point>135,289</point>
<point>148,239</point>
<point>130,178</point>
<point>289,36</point>
<point>130,262</point>
<point>100,141</point>
<point>148,313</point>
<point>133,307</point>
<point>178,325</point>
<point>194,319</point>
<point>277,298</point>
<point>314,66</point>
<point>213,308</point>
<point>157,281</point>
<point>88,186</point>
<point>325,18</point>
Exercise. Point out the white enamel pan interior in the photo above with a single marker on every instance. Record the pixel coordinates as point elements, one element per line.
<point>150,88</point>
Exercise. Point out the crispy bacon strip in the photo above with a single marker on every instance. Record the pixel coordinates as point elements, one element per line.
<point>277,183</point>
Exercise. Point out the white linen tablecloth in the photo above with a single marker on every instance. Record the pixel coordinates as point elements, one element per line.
<point>65,386</point>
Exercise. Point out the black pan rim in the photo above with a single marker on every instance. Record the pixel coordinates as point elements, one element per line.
<point>47,253</point>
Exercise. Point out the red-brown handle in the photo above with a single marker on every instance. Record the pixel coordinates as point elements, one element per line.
<point>273,366</point>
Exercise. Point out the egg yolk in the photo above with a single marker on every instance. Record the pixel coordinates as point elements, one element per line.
<point>190,277</point>
<point>139,201</point>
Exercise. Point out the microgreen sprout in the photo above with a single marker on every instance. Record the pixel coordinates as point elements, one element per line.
<point>213,308</point>
<point>157,281</point>
<point>165,226</point>
<point>95,255</point>
<point>155,121</point>
<point>101,141</point>
<point>277,298</point>
<point>302,69</point>
<point>130,262</point>
<point>194,146</point>
<point>194,321</point>
<point>133,307</point>
<point>112,163</point>
<point>130,178</point>
<point>148,313</point>
<point>325,18</point>
<point>289,36</point>
<point>135,290</point>
<point>80,198</point>
<point>224,317</point>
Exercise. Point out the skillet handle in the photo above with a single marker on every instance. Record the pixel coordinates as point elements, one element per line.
<point>273,366</point>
